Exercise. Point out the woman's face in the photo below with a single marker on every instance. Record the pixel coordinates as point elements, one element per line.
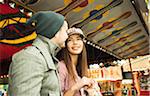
<point>75,44</point>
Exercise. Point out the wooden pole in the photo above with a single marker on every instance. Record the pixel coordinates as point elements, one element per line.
<point>131,71</point>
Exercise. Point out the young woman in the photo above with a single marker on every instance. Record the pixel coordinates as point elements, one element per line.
<point>73,65</point>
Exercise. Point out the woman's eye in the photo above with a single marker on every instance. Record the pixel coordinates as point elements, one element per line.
<point>69,40</point>
<point>79,39</point>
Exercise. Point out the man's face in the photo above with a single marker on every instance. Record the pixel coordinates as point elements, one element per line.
<point>62,35</point>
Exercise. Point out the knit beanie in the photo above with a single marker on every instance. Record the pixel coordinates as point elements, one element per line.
<point>47,23</point>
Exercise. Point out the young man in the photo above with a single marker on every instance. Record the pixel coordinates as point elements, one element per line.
<point>33,71</point>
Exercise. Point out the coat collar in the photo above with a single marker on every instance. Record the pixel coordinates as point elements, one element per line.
<point>48,48</point>
<point>53,48</point>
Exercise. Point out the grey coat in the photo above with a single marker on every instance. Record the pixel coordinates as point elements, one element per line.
<point>33,71</point>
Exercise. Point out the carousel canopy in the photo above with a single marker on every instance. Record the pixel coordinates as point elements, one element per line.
<point>115,25</point>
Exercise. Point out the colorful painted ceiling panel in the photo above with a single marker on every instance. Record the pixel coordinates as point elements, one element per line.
<point>115,25</point>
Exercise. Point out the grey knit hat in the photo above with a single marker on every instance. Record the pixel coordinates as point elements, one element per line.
<point>47,23</point>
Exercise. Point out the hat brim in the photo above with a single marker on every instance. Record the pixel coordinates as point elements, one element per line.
<point>81,35</point>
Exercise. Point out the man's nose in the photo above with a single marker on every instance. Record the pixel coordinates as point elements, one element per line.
<point>67,35</point>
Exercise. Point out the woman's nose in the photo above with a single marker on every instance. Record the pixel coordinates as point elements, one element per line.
<point>75,41</point>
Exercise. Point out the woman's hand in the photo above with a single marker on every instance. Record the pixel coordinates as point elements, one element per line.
<point>93,90</point>
<point>84,81</point>
<point>90,91</point>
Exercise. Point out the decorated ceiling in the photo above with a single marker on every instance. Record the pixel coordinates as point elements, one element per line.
<point>113,26</point>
